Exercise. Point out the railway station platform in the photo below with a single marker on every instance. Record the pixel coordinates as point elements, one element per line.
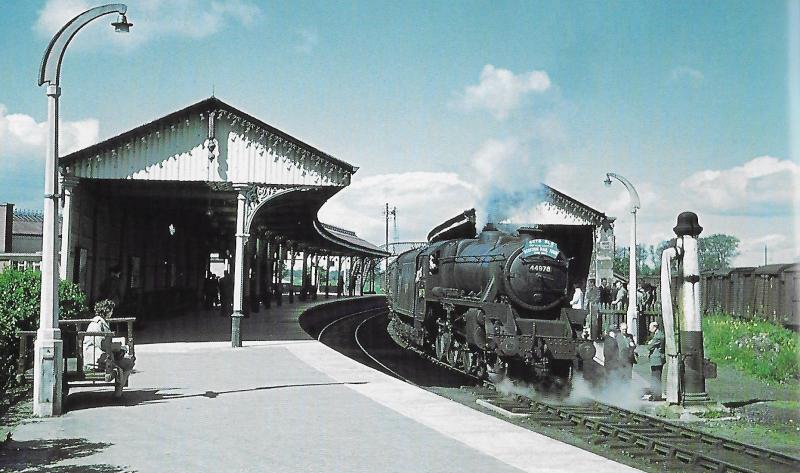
<point>282,402</point>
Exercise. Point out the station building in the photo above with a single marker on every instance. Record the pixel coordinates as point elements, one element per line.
<point>156,202</point>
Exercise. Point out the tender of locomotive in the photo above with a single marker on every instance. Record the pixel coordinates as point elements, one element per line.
<point>496,301</point>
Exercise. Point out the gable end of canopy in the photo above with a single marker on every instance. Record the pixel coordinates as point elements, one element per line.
<point>209,141</point>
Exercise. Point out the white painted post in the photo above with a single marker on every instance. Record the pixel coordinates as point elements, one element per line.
<point>671,351</point>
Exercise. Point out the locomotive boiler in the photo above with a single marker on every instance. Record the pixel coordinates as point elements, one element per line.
<point>497,301</point>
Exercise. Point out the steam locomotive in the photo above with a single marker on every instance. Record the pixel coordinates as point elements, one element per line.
<point>497,302</point>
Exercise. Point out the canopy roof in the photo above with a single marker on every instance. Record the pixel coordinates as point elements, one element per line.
<point>199,158</point>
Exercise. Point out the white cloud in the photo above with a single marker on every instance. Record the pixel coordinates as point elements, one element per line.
<point>307,41</point>
<point>423,200</point>
<point>686,74</point>
<point>761,186</point>
<point>22,137</point>
<point>500,91</point>
<point>152,19</point>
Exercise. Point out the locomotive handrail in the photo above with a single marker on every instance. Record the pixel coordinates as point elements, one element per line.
<point>472,259</point>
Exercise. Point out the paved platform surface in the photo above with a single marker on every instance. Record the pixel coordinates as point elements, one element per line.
<point>281,405</point>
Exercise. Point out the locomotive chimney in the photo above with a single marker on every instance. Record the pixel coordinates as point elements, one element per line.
<point>489,234</point>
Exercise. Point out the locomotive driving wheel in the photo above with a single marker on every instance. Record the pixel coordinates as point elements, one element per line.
<point>443,342</point>
<point>468,358</point>
<point>453,355</point>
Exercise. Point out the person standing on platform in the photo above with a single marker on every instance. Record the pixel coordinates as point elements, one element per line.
<point>592,294</point>
<point>627,351</point>
<point>611,355</point>
<point>605,292</point>
<point>577,297</point>
<point>620,302</point>
<point>111,287</point>
<point>226,294</point>
<point>657,357</point>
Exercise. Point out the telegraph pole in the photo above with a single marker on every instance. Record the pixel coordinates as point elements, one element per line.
<point>387,213</point>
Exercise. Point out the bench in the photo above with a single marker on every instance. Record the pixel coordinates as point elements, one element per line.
<point>73,334</point>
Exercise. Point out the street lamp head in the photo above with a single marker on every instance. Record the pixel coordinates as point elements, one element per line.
<point>607,182</point>
<point>122,25</point>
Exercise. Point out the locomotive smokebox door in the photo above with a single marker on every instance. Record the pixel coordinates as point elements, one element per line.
<point>536,275</point>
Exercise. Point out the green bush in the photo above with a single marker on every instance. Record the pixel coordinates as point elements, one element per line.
<point>20,292</point>
<point>758,347</point>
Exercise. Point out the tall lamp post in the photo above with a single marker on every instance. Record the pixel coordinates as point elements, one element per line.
<point>632,317</point>
<point>48,349</point>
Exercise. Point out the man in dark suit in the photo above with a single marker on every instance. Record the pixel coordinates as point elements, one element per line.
<point>611,354</point>
<point>657,358</point>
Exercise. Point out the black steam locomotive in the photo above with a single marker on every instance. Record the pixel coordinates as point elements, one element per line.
<point>495,302</point>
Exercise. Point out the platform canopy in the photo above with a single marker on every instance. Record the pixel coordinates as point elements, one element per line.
<point>161,204</point>
<point>199,159</point>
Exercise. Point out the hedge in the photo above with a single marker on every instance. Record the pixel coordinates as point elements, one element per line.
<point>20,292</point>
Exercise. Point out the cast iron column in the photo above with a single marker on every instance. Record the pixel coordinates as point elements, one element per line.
<point>238,273</point>
<point>291,274</point>
<point>327,275</point>
<point>339,279</point>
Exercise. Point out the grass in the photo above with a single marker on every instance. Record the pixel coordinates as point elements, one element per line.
<point>758,347</point>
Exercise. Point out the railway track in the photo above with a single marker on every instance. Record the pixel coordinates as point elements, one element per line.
<point>676,447</point>
<point>666,445</point>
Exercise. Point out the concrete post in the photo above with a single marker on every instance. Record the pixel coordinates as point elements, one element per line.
<point>48,348</point>
<point>68,184</point>
<point>238,272</point>
<point>691,328</point>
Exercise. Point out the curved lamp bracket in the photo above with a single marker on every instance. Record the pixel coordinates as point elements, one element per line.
<point>50,69</point>
<point>634,196</point>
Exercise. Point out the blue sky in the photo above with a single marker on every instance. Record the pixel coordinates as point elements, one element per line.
<point>441,101</point>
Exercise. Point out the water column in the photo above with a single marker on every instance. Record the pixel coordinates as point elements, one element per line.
<point>691,322</point>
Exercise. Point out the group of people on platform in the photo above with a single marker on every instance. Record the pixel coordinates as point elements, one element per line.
<point>616,297</point>
<point>619,346</point>
<point>619,356</point>
<point>218,291</point>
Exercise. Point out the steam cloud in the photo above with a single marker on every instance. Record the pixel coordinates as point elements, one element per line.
<point>508,181</point>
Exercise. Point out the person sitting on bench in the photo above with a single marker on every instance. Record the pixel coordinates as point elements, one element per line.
<point>99,352</point>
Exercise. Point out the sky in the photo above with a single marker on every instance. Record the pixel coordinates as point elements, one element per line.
<point>446,105</point>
